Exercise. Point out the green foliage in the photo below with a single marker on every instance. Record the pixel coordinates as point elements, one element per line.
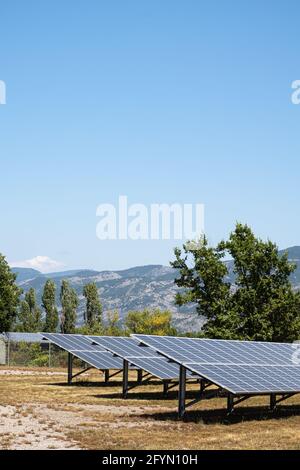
<point>261,305</point>
<point>96,329</point>
<point>151,322</point>
<point>29,316</point>
<point>29,354</point>
<point>69,303</point>
<point>9,296</point>
<point>49,305</point>
<point>93,312</point>
<point>112,327</point>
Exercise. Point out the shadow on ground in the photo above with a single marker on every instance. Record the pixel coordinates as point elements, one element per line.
<point>220,416</point>
<point>207,416</point>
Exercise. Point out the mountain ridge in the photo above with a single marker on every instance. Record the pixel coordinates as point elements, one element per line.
<point>136,288</point>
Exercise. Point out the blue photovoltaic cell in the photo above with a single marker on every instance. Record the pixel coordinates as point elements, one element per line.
<point>124,347</point>
<point>159,367</point>
<point>140,356</point>
<point>247,379</point>
<point>82,347</point>
<point>100,360</point>
<point>211,351</point>
<point>72,342</point>
<point>241,367</point>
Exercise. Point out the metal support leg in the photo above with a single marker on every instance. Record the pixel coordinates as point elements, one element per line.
<point>230,403</point>
<point>125,378</point>
<point>106,376</point>
<point>202,386</point>
<point>165,388</point>
<point>181,393</point>
<point>70,368</point>
<point>139,376</point>
<point>273,402</point>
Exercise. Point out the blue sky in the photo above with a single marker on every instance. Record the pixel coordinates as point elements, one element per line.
<point>161,101</point>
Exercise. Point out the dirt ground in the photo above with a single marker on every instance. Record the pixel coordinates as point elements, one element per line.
<point>38,410</point>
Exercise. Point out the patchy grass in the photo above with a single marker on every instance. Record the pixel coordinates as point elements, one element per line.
<point>92,415</point>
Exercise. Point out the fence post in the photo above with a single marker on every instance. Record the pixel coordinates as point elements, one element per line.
<point>8,352</point>
<point>49,355</point>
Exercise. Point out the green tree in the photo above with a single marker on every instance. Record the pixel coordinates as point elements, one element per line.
<point>112,327</point>
<point>93,312</point>
<point>261,305</point>
<point>24,322</point>
<point>49,305</point>
<point>29,316</point>
<point>69,304</point>
<point>150,322</point>
<point>9,296</point>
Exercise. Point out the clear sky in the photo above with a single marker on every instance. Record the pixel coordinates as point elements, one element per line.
<point>162,101</point>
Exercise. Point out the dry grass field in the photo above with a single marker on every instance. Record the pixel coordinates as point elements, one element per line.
<point>38,410</point>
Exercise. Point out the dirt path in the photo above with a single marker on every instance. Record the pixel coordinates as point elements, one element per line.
<point>33,427</point>
<point>29,372</point>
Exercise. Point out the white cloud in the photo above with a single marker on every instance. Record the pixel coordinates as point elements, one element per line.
<point>41,263</point>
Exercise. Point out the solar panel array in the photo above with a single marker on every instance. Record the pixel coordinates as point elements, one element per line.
<point>82,347</point>
<point>241,367</point>
<point>141,356</point>
<point>212,351</point>
<point>124,347</point>
<point>241,379</point>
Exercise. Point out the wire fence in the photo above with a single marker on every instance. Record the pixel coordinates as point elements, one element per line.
<point>26,354</point>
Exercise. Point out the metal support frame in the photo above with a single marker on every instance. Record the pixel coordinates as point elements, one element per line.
<point>115,373</point>
<point>230,403</point>
<point>81,372</point>
<point>70,368</point>
<point>125,378</point>
<point>165,388</point>
<point>274,401</point>
<point>202,386</point>
<point>181,392</point>
<point>139,376</point>
<point>106,376</point>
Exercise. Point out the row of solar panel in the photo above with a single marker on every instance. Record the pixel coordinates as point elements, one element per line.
<point>240,367</point>
<point>109,353</point>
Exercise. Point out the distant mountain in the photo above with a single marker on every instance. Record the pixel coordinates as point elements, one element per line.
<point>134,288</point>
<point>131,289</point>
<point>24,274</point>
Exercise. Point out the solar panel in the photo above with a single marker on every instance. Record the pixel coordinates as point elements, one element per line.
<point>72,342</point>
<point>158,367</point>
<point>101,360</point>
<point>140,356</point>
<point>82,347</point>
<point>251,379</point>
<point>210,351</point>
<point>240,367</point>
<point>124,347</point>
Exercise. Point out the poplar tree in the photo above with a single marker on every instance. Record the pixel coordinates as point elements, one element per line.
<point>30,315</point>
<point>93,311</point>
<point>69,304</point>
<point>49,305</point>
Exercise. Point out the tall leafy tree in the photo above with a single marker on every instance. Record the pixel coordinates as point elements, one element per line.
<point>93,311</point>
<point>30,315</point>
<point>69,304</point>
<point>49,305</point>
<point>9,296</point>
<point>261,305</point>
